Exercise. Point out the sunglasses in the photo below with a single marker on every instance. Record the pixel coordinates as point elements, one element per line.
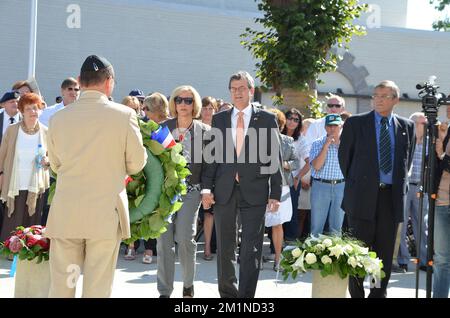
<point>334,105</point>
<point>294,119</point>
<point>73,89</point>
<point>187,100</point>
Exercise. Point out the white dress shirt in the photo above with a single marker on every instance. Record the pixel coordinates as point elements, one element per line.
<point>234,117</point>
<point>48,112</point>
<point>315,131</point>
<point>6,121</point>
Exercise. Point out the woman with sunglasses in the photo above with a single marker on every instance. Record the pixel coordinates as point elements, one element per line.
<point>293,129</point>
<point>184,105</point>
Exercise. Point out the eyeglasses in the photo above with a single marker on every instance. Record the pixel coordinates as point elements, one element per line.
<point>240,89</point>
<point>294,119</point>
<point>334,105</point>
<point>383,96</point>
<point>76,89</point>
<point>187,100</point>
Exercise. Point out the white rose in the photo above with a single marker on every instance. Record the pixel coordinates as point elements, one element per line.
<point>296,252</point>
<point>337,251</point>
<point>363,250</point>
<point>310,258</point>
<point>327,242</point>
<point>326,259</point>
<point>372,265</point>
<point>319,247</point>
<point>348,248</point>
<point>352,261</point>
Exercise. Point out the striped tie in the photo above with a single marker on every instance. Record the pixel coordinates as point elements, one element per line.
<point>385,147</point>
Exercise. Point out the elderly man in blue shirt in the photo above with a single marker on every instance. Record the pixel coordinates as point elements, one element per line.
<point>327,180</point>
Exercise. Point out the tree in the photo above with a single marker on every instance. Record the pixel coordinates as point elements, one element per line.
<point>441,25</point>
<point>294,47</point>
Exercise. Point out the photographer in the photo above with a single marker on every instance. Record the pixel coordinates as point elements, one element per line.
<point>441,265</point>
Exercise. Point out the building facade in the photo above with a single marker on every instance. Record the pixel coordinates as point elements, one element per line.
<point>158,45</point>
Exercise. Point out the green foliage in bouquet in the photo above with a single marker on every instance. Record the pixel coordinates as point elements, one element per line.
<point>28,243</point>
<point>344,256</point>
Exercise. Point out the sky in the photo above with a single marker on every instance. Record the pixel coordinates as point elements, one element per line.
<point>421,14</point>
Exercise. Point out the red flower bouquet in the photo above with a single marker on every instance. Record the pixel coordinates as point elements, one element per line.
<point>28,243</point>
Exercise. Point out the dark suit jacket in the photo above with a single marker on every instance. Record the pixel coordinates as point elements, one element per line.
<point>195,165</point>
<point>358,158</point>
<point>219,176</point>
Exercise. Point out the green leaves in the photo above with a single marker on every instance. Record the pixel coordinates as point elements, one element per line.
<point>331,255</point>
<point>443,24</point>
<point>292,51</point>
<point>155,147</point>
<point>175,171</point>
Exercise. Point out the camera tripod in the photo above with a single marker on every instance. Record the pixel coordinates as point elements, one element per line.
<point>431,100</point>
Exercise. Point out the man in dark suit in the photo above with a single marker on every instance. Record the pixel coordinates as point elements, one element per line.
<point>241,182</point>
<point>375,155</point>
<point>10,114</point>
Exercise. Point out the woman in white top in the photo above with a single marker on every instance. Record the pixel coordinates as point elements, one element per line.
<point>293,129</point>
<point>24,174</point>
<point>304,175</point>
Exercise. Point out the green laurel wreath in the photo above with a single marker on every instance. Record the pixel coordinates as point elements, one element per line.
<point>153,197</point>
<point>151,221</point>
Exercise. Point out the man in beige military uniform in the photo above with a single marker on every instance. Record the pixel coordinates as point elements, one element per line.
<point>93,145</point>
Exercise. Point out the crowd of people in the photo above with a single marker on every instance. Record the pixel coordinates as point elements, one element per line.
<point>337,174</point>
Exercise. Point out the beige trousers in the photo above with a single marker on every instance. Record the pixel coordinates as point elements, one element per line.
<point>96,258</point>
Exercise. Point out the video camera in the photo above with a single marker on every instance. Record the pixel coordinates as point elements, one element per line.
<point>431,98</point>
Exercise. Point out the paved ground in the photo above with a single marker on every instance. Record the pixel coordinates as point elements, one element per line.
<point>137,280</point>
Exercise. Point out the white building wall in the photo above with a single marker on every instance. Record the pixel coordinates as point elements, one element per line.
<point>405,56</point>
<point>158,45</point>
<point>391,13</point>
<point>153,45</point>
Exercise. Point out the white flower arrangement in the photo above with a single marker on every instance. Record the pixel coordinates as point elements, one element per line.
<point>344,256</point>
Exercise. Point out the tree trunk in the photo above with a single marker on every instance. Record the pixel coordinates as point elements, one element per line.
<point>299,99</point>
